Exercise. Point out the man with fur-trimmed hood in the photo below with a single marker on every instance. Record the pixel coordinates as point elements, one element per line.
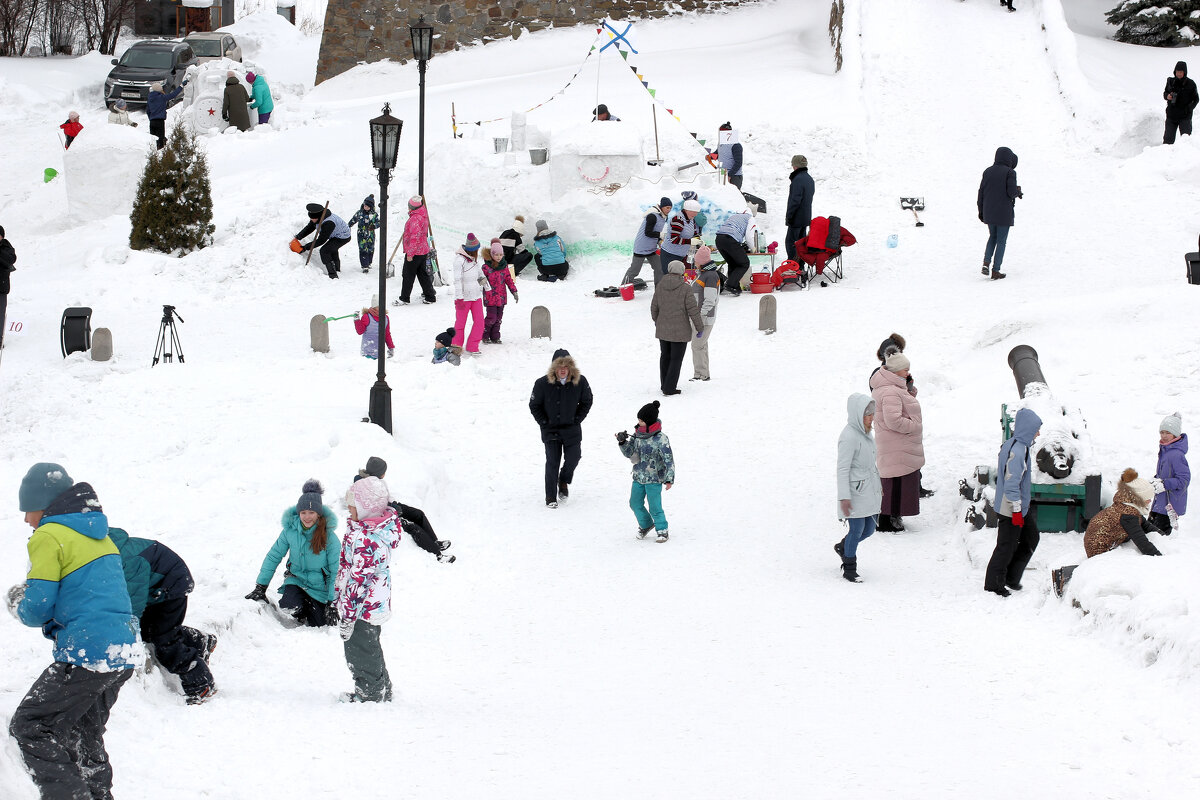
<point>560,401</point>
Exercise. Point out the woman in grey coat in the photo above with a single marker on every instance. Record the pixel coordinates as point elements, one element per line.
<point>676,315</point>
<point>860,490</point>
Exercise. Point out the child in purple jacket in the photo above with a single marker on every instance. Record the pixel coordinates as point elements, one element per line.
<point>1171,503</point>
<point>495,296</point>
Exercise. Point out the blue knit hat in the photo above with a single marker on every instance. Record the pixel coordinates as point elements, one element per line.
<point>472,244</point>
<point>665,202</point>
<point>43,483</point>
<point>310,499</point>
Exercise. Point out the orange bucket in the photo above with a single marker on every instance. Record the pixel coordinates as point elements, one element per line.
<point>627,291</point>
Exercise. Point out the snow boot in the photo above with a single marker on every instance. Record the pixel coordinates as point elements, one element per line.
<point>443,544</point>
<point>1059,577</point>
<point>997,275</point>
<point>564,490</point>
<point>446,558</point>
<point>1000,591</point>
<point>202,696</point>
<point>987,270</point>
<point>850,570</point>
<point>210,644</point>
<point>643,531</point>
<point>551,504</point>
<point>662,536</point>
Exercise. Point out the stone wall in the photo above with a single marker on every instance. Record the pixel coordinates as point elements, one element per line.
<point>359,31</point>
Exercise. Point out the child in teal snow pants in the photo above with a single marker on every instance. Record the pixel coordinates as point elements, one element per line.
<point>653,468</point>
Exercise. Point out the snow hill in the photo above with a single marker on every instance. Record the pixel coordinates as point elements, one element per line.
<point>560,657</point>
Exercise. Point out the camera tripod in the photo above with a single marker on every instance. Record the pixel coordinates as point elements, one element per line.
<point>167,326</point>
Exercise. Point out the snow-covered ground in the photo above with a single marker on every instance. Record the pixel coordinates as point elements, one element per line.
<point>561,657</point>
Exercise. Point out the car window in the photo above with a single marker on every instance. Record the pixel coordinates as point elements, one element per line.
<point>186,55</point>
<point>203,48</point>
<point>146,59</point>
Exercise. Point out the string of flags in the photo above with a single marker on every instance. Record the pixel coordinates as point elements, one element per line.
<point>616,38</point>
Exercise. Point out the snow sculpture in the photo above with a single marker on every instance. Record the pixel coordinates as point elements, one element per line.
<point>593,155</point>
<point>205,94</point>
<point>102,169</point>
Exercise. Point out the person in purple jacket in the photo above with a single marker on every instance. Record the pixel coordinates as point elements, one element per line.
<point>1171,503</point>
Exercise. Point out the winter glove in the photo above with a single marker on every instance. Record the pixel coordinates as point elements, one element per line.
<point>331,615</point>
<point>295,246</point>
<point>259,593</point>
<point>133,124</point>
<point>346,629</point>
<point>1018,519</point>
<point>622,437</point>
<point>516,298</point>
<point>699,334</point>
<point>1157,485</point>
<point>185,82</point>
<point>15,595</point>
<point>391,352</point>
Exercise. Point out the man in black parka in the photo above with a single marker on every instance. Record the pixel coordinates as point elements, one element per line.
<point>998,193</point>
<point>1181,97</point>
<point>560,401</point>
<point>799,204</point>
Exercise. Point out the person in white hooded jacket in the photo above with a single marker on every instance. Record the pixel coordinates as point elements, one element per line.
<point>468,282</point>
<point>860,491</point>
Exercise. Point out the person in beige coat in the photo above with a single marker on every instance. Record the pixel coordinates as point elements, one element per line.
<point>898,432</point>
<point>676,316</point>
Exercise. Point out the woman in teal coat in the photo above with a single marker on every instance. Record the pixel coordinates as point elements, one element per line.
<point>312,548</point>
<point>260,95</point>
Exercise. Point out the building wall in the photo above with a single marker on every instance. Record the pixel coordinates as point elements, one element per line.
<point>372,30</point>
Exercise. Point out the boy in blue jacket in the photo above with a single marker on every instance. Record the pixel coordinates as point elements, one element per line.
<point>1016,534</point>
<point>76,594</point>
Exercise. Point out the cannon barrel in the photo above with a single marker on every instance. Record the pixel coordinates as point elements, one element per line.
<point>1023,361</point>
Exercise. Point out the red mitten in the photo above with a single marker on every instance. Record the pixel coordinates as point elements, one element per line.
<point>1018,520</point>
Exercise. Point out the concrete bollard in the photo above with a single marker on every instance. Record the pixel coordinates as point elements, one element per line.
<point>318,332</point>
<point>766,313</point>
<point>539,323</point>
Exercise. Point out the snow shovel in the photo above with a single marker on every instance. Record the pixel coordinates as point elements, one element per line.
<point>914,204</point>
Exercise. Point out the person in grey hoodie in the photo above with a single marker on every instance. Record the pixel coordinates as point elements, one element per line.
<point>708,293</point>
<point>1017,533</point>
<point>998,193</point>
<point>860,489</point>
<point>676,315</point>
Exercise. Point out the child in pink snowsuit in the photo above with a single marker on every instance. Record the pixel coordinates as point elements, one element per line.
<point>367,326</point>
<point>495,297</point>
<point>468,282</point>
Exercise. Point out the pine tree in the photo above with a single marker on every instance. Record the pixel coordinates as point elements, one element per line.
<point>173,209</point>
<point>1157,23</point>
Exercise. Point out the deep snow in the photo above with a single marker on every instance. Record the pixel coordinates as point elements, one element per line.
<point>561,657</point>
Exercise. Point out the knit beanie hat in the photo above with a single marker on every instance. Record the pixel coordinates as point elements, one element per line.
<point>445,338</point>
<point>250,76</point>
<point>310,497</point>
<point>120,104</point>
<point>370,497</point>
<point>893,344</point>
<point>665,202</point>
<point>541,225</point>
<point>799,162</point>
<point>601,109</point>
<point>497,248</point>
<point>472,244</point>
<point>369,201</point>
<point>675,268</point>
<point>1139,486</point>
<point>518,224</point>
<point>561,352</point>
<point>691,205</point>
<point>415,201</point>
<point>314,210</point>
<point>649,413</point>
<point>1172,424</point>
<point>896,362</point>
<point>41,485</point>
<point>703,256</point>
<point>374,301</point>
<point>725,126</point>
<point>376,467</point>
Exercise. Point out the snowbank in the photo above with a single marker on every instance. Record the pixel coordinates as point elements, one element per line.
<point>102,170</point>
<point>287,56</point>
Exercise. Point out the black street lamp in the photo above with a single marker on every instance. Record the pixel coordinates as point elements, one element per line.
<point>385,146</point>
<point>422,45</point>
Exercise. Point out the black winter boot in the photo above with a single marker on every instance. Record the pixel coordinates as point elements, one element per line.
<point>850,569</point>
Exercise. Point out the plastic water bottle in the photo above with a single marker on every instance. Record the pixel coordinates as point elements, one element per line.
<point>893,240</point>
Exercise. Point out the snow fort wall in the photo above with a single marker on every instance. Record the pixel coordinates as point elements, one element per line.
<point>102,170</point>
<point>359,31</point>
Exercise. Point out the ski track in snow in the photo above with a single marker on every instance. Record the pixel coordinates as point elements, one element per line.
<point>560,656</point>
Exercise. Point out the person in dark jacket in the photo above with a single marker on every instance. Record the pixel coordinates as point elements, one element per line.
<point>1181,97</point>
<point>159,582</point>
<point>1016,534</point>
<point>235,109</point>
<point>560,402</point>
<point>997,198</point>
<point>333,236</point>
<point>799,205</point>
<point>514,247</point>
<point>412,519</point>
<point>8,261</point>
<point>156,109</point>
<point>75,592</point>
<point>600,114</point>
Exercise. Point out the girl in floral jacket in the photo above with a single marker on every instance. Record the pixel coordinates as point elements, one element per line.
<point>364,589</point>
<point>495,296</point>
<point>653,468</point>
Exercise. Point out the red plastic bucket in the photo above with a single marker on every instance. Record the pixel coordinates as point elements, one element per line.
<point>627,291</point>
<point>760,283</point>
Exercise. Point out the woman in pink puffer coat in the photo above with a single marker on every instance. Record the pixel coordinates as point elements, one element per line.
<point>416,254</point>
<point>898,431</point>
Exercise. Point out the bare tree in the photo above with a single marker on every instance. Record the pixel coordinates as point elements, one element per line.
<point>60,24</point>
<point>102,20</point>
<point>16,23</point>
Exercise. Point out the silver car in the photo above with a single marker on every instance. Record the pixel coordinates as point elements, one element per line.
<point>209,46</point>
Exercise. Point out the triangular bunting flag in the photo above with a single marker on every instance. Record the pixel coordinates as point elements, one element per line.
<point>652,93</point>
<point>592,50</point>
<point>669,111</point>
<point>645,84</point>
<point>624,55</point>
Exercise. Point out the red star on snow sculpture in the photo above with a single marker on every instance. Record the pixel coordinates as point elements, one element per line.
<point>212,112</point>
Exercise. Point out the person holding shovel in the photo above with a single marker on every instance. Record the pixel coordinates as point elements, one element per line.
<point>332,234</point>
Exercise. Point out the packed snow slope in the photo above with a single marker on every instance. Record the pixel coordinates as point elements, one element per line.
<point>561,657</point>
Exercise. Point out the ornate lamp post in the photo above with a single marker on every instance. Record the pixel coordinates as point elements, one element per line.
<point>385,146</point>
<point>422,45</point>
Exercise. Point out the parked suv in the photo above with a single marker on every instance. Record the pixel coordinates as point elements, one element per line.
<point>209,46</point>
<point>145,63</point>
